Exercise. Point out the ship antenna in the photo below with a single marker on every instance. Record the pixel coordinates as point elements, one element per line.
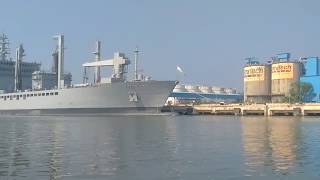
<point>136,54</point>
<point>4,47</point>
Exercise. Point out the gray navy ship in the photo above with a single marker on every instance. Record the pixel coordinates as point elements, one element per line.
<point>53,94</point>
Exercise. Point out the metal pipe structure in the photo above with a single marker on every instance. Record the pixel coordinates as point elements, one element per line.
<point>136,54</point>
<point>55,57</point>
<point>55,62</point>
<point>97,54</point>
<point>60,72</point>
<point>4,47</point>
<point>17,73</point>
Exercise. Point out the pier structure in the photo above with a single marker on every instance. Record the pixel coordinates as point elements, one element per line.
<point>269,109</point>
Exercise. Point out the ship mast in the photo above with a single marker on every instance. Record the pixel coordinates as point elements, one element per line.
<point>136,54</point>
<point>4,47</point>
<point>17,73</point>
<point>60,72</point>
<point>97,54</point>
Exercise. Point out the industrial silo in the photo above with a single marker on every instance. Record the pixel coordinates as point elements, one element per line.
<point>257,83</point>
<point>284,74</point>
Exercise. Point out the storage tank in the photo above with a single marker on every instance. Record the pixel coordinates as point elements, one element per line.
<point>257,83</point>
<point>223,90</point>
<point>216,90</point>
<point>180,88</point>
<point>284,74</point>
<point>194,89</point>
<point>228,90</point>
<point>205,89</point>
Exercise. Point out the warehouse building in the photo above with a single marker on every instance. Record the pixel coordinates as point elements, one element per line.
<point>312,76</point>
<point>186,94</point>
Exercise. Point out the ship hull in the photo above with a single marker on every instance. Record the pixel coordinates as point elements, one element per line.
<point>113,98</point>
<point>85,111</point>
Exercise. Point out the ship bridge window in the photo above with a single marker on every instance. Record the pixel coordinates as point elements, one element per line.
<point>43,94</point>
<point>47,94</point>
<point>51,93</point>
<point>20,95</point>
<point>56,93</point>
<point>31,95</point>
<point>39,94</point>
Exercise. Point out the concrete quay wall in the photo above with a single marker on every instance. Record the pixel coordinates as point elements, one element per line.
<point>269,109</point>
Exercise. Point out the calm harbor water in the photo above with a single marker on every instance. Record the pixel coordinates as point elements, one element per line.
<point>159,147</point>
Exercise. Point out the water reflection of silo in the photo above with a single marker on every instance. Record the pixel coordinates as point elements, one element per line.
<point>255,141</point>
<point>283,142</point>
<point>270,141</point>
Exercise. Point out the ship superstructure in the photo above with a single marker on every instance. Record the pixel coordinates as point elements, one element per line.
<point>42,80</point>
<point>14,75</point>
<point>105,95</point>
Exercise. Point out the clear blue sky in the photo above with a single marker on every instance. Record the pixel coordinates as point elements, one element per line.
<point>209,39</point>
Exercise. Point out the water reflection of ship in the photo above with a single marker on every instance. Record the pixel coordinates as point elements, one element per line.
<point>17,152</point>
<point>55,155</point>
<point>146,141</point>
<point>110,151</point>
<point>270,142</point>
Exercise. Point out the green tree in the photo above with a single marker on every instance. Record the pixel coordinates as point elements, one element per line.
<point>299,92</point>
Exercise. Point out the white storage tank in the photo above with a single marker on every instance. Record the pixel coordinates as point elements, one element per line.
<point>223,90</point>
<point>191,88</point>
<point>228,91</point>
<point>216,90</point>
<point>180,88</point>
<point>205,89</point>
